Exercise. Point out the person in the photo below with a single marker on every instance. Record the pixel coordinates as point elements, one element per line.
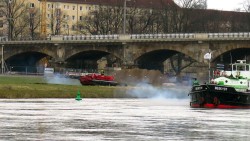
<point>195,82</point>
<point>216,73</point>
<point>102,72</point>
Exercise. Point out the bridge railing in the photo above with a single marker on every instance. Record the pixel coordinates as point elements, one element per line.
<point>172,36</point>
<point>3,38</point>
<point>228,35</point>
<point>85,37</point>
<point>163,36</point>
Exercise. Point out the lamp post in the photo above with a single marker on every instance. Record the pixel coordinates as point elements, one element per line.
<point>124,16</point>
<point>2,61</point>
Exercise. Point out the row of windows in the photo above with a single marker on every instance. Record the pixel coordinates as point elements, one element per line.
<point>73,7</point>
<point>67,17</point>
<point>32,5</point>
<point>66,27</point>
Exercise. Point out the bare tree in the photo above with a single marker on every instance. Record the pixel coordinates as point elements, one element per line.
<point>58,20</point>
<point>181,21</point>
<point>14,11</point>
<point>34,22</point>
<point>104,20</point>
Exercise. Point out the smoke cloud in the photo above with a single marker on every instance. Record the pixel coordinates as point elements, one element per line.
<point>145,90</point>
<point>60,79</point>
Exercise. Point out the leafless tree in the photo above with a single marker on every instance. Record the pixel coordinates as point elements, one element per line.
<point>104,20</point>
<point>181,21</point>
<point>58,20</point>
<point>15,13</point>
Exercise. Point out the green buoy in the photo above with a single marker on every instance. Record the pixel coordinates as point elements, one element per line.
<point>78,96</point>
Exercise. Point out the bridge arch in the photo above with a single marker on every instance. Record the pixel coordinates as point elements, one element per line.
<point>231,55</point>
<point>90,58</point>
<point>28,62</point>
<point>12,51</point>
<point>104,50</point>
<point>177,48</point>
<point>155,58</point>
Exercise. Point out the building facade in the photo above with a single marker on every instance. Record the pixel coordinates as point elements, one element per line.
<point>62,17</point>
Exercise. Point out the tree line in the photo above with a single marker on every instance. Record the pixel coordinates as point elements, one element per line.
<point>23,21</point>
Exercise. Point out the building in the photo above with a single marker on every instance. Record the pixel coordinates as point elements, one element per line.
<point>64,17</point>
<point>61,17</point>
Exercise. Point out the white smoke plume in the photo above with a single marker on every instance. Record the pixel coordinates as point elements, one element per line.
<point>145,90</point>
<point>59,79</point>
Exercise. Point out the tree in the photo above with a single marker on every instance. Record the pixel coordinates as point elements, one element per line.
<point>14,11</point>
<point>181,21</point>
<point>179,62</point>
<point>58,20</point>
<point>104,20</point>
<point>34,22</point>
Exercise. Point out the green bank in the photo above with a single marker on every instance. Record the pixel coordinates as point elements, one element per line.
<point>39,87</point>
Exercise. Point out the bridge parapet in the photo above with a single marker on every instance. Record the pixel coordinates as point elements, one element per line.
<point>3,38</point>
<point>84,37</point>
<point>239,35</point>
<point>163,36</point>
<point>167,37</point>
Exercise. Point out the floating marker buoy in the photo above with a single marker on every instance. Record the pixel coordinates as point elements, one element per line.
<point>78,96</point>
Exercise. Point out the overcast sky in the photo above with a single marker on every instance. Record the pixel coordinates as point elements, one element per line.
<point>224,4</point>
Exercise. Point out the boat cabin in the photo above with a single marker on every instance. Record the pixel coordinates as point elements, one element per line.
<point>238,69</point>
<point>238,76</point>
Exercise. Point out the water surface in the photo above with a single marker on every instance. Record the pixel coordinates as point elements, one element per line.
<point>118,119</point>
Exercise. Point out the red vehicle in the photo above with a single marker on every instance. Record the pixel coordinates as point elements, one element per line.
<point>98,79</point>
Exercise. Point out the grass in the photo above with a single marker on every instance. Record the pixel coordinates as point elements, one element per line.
<point>37,87</point>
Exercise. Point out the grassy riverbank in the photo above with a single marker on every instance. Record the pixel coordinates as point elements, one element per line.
<point>39,87</point>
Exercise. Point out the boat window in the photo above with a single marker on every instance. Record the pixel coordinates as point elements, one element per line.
<point>234,67</point>
<point>240,67</point>
<point>247,67</point>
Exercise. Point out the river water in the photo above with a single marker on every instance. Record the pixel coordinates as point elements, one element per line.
<point>119,120</point>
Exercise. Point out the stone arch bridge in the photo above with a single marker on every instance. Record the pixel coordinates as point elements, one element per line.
<point>143,50</point>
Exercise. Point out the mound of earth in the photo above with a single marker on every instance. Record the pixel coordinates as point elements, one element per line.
<point>135,76</point>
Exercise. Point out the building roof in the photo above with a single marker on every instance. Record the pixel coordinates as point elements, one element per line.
<point>136,3</point>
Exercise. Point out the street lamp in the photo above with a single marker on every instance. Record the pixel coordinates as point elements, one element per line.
<point>124,16</point>
<point>2,62</point>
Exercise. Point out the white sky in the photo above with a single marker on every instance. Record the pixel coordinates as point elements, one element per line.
<point>228,5</point>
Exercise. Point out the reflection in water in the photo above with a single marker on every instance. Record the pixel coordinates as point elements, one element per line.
<point>118,119</point>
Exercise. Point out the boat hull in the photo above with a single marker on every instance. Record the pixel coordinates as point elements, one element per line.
<point>98,79</point>
<point>222,97</point>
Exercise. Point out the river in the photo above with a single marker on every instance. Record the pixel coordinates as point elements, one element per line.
<point>119,120</point>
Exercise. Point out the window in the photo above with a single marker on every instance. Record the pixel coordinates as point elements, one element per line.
<point>81,8</point>
<point>67,7</point>
<point>81,18</point>
<point>64,6</point>
<point>67,17</point>
<point>48,5</point>
<point>74,7</point>
<point>73,17</point>
<point>48,16</point>
<point>64,16</point>
<point>32,5</point>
